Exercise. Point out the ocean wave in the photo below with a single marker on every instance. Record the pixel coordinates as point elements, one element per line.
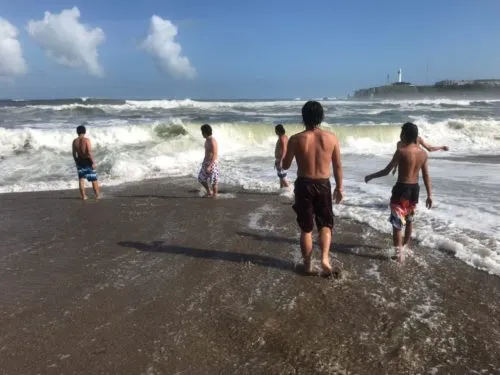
<point>462,134</point>
<point>59,102</point>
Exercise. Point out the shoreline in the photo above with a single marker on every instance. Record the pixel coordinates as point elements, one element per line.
<point>152,279</point>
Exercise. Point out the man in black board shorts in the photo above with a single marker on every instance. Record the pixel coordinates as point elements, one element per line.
<point>315,151</point>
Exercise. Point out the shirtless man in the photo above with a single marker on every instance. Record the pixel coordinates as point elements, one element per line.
<point>279,154</point>
<point>315,150</point>
<point>409,158</point>
<point>421,142</point>
<point>209,172</point>
<point>85,163</point>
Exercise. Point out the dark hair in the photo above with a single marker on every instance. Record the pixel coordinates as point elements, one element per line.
<point>312,114</point>
<point>279,129</point>
<point>81,130</point>
<point>206,130</point>
<point>409,132</point>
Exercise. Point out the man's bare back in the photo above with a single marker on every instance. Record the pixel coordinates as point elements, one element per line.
<point>211,150</point>
<point>81,150</point>
<point>280,149</point>
<point>314,151</point>
<point>410,159</point>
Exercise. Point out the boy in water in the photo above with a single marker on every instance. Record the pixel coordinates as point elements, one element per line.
<point>409,158</point>
<point>315,151</point>
<point>209,172</point>
<point>84,160</point>
<point>421,142</point>
<point>279,154</point>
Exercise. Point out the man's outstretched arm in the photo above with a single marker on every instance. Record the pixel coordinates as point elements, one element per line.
<point>384,172</point>
<point>430,148</point>
<point>290,154</point>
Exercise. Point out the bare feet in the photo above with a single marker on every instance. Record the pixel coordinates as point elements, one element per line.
<point>329,271</point>
<point>399,256</point>
<point>326,266</point>
<point>84,198</point>
<point>97,197</point>
<point>308,265</point>
<point>208,194</point>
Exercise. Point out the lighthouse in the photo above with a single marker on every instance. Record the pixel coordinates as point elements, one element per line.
<point>400,76</point>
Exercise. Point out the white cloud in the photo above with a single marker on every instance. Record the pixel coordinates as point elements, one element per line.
<point>166,51</point>
<point>68,41</point>
<point>12,62</point>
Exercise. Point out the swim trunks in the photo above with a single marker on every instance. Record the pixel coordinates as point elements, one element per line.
<point>281,173</point>
<point>212,177</point>
<point>86,172</point>
<point>404,201</point>
<point>313,200</point>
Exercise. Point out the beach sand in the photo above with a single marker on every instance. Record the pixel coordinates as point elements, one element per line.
<point>153,279</point>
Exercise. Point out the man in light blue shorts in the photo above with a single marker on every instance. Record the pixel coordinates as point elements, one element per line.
<point>85,164</point>
<point>279,154</point>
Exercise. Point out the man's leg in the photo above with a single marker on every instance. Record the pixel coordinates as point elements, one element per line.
<point>205,185</point>
<point>325,240</point>
<point>95,186</point>
<point>397,238</point>
<point>82,188</point>
<point>283,183</point>
<point>306,247</point>
<point>408,231</point>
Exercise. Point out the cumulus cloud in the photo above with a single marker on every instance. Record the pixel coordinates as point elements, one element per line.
<point>68,41</point>
<point>12,62</point>
<point>161,44</point>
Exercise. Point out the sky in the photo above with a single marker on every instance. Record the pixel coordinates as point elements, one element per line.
<point>230,49</point>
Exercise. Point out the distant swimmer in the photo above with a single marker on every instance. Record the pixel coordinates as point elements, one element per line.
<point>315,150</point>
<point>209,172</point>
<point>428,147</point>
<point>279,154</point>
<point>85,163</point>
<point>410,159</point>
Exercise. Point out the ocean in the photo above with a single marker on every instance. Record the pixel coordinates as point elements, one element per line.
<point>137,140</point>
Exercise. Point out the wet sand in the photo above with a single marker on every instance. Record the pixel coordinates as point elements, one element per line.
<point>153,279</point>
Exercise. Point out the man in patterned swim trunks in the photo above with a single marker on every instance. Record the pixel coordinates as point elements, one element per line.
<point>84,160</point>
<point>209,172</point>
<point>315,151</point>
<point>409,158</point>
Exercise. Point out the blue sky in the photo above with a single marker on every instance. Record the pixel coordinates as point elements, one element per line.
<point>264,49</point>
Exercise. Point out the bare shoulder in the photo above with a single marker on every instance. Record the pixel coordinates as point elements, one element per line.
<point>422,155</point>
<point>331,136</point>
